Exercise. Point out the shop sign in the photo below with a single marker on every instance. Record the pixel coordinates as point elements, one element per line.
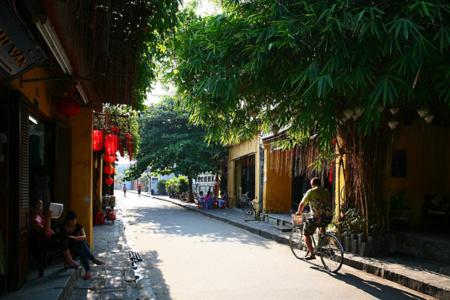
<point>18,50</point>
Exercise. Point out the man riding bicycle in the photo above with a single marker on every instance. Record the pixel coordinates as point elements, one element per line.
<point>320,214</point>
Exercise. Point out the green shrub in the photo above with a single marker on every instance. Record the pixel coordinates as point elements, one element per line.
<point>161,187</point>
<point>183,184</point>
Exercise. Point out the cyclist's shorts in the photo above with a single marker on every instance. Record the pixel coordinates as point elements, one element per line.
<point>311,225</point>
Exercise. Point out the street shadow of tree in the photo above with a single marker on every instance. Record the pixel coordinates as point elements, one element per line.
<point>376,289</point>
<point>151,277</point>
<point>174,221</point>
<point>119,278</point>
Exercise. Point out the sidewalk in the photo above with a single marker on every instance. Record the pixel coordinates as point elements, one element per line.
<point>405,272</point>
<point>56,284</point>
<point>118,278</point>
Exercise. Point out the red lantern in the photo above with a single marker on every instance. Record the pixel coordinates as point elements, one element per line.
<point>108,170</point>
<point>111,143</point>
<point>109,181</point>
<point>97,140</point>
<point>115,129</point>
<point>67,106</point>
<point>121,149</point>
<point>109,158</point>
<point>129,138</point>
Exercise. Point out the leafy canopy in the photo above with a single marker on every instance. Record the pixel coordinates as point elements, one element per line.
<point>151,47</point>
<point>170,144</point>
<point>264,64</point>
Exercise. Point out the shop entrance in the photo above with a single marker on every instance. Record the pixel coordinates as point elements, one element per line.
<point>245,176</point>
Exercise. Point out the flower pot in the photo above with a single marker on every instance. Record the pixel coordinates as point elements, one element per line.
<point>354,246</point>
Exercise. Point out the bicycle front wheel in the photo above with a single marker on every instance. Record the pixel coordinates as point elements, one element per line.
<point>331,253</point>
<point>296,242</point>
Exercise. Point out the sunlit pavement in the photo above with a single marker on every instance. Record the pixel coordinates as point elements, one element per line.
<point>189,256</point>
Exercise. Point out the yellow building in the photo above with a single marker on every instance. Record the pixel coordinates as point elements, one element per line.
<point>48,92</point>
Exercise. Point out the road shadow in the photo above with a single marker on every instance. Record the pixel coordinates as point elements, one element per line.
<point>376,289</point>
<point>119,277</point>
<point>170,220</point>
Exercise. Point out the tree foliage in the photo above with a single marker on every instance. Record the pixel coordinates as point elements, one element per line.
<point>265,65</point>
<point>151,46</point>
<point>170,144</point>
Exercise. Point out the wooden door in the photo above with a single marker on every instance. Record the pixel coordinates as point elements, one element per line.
<point>4,188</point>
<point>19,193</point>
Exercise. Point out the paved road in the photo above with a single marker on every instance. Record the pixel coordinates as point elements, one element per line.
<point>190,256</point>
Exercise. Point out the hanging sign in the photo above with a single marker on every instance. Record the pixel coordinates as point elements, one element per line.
<point>18,50</point>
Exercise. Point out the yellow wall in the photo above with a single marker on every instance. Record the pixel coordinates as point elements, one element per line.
<point>81,187</point>
<point>428,164</point>
<point>39,92</point>
<point>234,153</point>
<point>277,183</point>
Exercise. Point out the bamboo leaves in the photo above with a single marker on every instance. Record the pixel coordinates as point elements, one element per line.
<point>293,63</point>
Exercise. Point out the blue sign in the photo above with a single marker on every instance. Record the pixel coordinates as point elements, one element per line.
<point>18,50</point>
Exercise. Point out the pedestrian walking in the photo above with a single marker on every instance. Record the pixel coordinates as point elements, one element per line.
<point>139,189</point>
<point>124,190</point>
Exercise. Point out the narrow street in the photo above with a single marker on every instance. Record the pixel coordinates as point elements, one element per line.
<point>189,256</point>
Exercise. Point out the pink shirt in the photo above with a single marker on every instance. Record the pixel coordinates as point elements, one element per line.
<point>39,220</point>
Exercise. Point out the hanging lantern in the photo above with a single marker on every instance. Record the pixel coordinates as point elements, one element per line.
<point>108,170</point>
<point>67,106</point>
<point>109,181</point>
<point>109,158</point>
<point>122,154</point>
<point>129,138</point>
<point>393,124</point>
<point>97,140</point>
<point>115,129</point>
<point>111,143</point>
<point>423,112</point>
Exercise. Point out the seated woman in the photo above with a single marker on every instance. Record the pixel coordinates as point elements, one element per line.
<point>208,200</point>
<point>43,237</point>
<point>223,201</point>
<point>74,239</point>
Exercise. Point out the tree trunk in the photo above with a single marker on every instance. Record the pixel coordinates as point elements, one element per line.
<point>190,195</point>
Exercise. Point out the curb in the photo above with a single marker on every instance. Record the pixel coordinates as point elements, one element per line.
<point>349,259</point>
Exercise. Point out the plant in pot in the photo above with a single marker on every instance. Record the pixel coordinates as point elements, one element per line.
<point>351,230</point>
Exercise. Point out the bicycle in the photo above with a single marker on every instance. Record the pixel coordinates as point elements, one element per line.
<point>246,205</point>
<point>329,248</point>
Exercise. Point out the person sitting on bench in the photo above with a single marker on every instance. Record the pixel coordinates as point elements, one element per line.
<point>44,238</point>
<point>74,239</point>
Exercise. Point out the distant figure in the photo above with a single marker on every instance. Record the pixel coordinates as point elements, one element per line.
<point>124,190</point>
<point>139,189</point>
<point>216,188</point>
<point>208,200</point>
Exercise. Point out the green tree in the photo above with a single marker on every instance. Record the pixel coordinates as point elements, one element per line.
<point>264,64</point>
<point>170,144</point>
<point>317,68</point>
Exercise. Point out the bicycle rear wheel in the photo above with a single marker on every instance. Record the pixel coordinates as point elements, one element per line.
<point>296,242</point>
<point>331,253</point>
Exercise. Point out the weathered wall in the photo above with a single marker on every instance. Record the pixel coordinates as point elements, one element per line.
<point>81,188</point>
<point>38,93</point>
<point>277,183</point>
<point>428,164</point>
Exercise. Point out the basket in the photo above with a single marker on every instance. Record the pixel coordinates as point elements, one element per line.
<point>297,220</point>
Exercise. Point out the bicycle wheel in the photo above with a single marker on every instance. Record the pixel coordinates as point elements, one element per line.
<point>296,242</point>
<point>247,209</point>
<point>331,253</point>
